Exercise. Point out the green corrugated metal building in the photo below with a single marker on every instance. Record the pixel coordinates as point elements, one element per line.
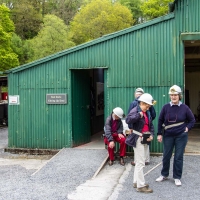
<point>51,96</point>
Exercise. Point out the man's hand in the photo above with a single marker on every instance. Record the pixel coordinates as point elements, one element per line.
<point>120,135</point>
<point>128,132</point>
<point>159,138</point>
<point>111,144</point>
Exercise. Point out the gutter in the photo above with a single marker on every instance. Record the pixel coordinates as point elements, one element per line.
<point>172,6</point>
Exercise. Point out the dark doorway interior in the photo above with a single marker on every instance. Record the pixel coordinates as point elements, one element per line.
<point>192,90</point>
<point>96,100</point>
<point>87,104</point>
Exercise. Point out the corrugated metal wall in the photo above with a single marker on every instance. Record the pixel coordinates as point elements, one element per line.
<point>187,15</point>
<point>35,124</point>
<point>149,55</point>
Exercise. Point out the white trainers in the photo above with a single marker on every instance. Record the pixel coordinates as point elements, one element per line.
<point>177,182</point>
<point>161,178</point>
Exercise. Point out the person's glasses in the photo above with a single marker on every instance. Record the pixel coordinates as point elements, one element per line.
<point>147,105</point>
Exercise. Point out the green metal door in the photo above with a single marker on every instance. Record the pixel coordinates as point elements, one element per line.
<point>81,133</point>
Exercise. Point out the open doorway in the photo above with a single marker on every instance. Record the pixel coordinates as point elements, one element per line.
<point>87,105</point>
<point>192,91</point>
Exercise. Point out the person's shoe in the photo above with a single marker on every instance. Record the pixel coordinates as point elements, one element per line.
<point>121,162</point>
<point>135,185</point>
<point>177,182</point>
<point>110,162</point>
<point>144,190</point>
<point>161,178</point>
<point>132,163</point>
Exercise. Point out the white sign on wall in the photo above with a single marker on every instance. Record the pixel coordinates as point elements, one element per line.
<point>56,98</point>
<point>13,99</point>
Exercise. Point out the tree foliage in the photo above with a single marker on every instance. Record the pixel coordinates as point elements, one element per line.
<point>8,58</point>
<point>53,37</point>
<point>155,8</point>
<point>98,18</point>
<point>135,7</point>
<point>64,9</point>
<point>27,18</point>
<point>22,49</point>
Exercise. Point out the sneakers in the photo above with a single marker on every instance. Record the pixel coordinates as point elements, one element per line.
<point>161,178</point>
<point>135,185</point>
<point>144,190</point>
<point>177,182</point>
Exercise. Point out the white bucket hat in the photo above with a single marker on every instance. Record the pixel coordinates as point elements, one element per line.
<point>139,91</point>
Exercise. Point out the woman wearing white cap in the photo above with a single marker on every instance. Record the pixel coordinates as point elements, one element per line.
<point>140,120</point>
<point>177,119</point>
<point>138,92</point>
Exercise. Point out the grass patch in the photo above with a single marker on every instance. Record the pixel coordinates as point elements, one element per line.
<point>4,89</point>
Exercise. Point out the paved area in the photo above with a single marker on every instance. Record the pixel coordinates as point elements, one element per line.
<point>100,187</point>
<point>96,142</point>
<point>3,137</point>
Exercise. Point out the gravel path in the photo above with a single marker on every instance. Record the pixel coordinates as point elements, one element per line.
<point>59,177</point>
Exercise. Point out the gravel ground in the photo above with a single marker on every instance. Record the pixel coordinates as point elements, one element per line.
<point>72,167</point>
<point>59,177</point>
<point>165,190</point>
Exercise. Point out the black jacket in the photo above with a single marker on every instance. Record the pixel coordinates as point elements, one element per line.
<point>108,125</point>
<point>137,123</point>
